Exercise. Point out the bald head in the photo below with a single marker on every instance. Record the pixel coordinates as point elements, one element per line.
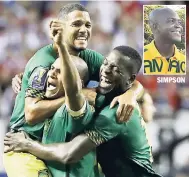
<point>165,24</point>
<point>157,15</point>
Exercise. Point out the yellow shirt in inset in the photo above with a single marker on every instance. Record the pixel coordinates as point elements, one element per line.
<point>155,64</point>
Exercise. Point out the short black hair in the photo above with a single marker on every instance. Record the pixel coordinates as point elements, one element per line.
<point>65,10</point>
<point>134,56</point>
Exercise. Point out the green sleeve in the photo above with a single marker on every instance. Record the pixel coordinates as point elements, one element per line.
<point>104,127</point>
<point>94,61</point>
<point>77,124</point>
<point>37,83</point>
<point>44,57</point>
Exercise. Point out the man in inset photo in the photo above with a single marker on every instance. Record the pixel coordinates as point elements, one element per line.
<point>164,50</point>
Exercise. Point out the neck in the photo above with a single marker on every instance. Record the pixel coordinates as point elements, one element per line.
<point>111,95</point>
<point>165,49</point>
<point>71,50</point>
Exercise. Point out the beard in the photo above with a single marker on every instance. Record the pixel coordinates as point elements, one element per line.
<point>76,49</point>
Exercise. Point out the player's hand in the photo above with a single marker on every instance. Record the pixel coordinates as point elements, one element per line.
<point>90,94</point>
<point>127,103</point>
<point>16,142</point>
<point>16,82</point>
<point>56,29</point>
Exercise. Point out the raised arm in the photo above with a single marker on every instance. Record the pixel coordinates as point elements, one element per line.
<point>70,77</point>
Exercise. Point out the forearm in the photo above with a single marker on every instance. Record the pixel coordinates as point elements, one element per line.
<point>65,153</point>
<point>38,110</point>
<point>71,80</point>
<point>137,89</point>
<point>44,152</point>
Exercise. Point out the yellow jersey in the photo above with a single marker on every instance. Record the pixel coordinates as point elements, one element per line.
<point>155,64</point>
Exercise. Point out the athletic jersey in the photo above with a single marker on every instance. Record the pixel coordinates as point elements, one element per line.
<point>156,64</point>
<point>44,58</point>
<point>120,145</point>
<point>63,128</point>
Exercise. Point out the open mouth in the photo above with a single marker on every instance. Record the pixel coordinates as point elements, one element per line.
<point>82,38</point>
<point>105,82</point>
<point>51,86</point>
<point>176,32</point>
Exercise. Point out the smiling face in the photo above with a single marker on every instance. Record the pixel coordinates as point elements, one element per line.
<point>169,26</point>
<point>54,88</point>
<point>115,73</point>
<point>77,30</point>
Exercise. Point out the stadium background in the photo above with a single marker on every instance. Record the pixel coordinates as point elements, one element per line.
<point>24,29</point>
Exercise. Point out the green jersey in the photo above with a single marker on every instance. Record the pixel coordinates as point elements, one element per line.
<point>44,58</point>
<point>122,148</point>
<point>62,128</point>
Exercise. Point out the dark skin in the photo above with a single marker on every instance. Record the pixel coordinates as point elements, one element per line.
<point>111,71</point>
<point>76,25</point>
<point>167,30</point>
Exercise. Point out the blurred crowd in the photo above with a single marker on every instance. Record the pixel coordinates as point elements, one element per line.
<point>24,29</point>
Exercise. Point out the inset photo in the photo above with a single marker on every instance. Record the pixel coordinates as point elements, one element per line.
<point>164,40</point>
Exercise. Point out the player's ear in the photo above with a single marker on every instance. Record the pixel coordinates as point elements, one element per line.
<point>132,78</point>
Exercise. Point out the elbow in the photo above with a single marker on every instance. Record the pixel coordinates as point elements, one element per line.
<point>30,116</point>
<point>69,159</point>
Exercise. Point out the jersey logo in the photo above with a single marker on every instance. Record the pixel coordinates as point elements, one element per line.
<point>39,78</point>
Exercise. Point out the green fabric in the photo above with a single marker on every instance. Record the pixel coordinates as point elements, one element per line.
<point>44,58</point>
<point>94,61</point>
<point>62,128</point>
<point>119,142</point>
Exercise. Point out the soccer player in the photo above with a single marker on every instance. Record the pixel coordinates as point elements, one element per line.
<point>63,79</point>
<point>30,112</point>
<point>122,149</point>
<point>161,56</point>
<point>77,31</point>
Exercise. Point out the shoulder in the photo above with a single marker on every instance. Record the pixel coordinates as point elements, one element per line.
<point>109,112</point>
<point>135,118</point>
<point>43,57</point>
<point>90,53</point>
<point>40,71</point>
<point>38,78</point>
<point>182,57</point>
<point>46,50</point>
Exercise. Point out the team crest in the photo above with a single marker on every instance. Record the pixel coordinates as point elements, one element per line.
<point>39,78</point>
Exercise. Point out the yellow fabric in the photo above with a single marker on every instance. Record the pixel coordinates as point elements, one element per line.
<point>155,64</point>
<point>24,165</point>
<point>77,114</point>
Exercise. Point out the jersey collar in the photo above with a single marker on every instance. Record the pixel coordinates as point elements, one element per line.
<point>158,55</point>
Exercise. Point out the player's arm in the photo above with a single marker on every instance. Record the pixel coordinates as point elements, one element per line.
<point>37,109</point>
<point>59,152</point>
<point>101,131</point>
<point>127,101</point>
<point>71,81</point>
